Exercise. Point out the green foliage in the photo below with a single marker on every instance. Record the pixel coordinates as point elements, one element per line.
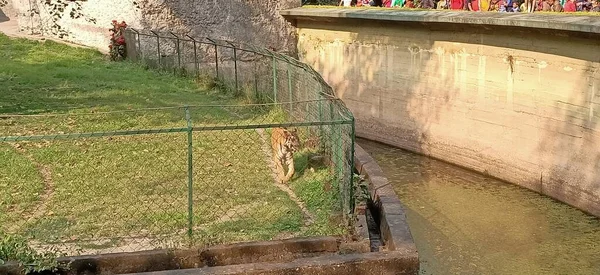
<point>361,187</point>
<point>15,248</point>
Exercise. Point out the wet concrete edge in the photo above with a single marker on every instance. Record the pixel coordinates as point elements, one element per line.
<point>393,225</point>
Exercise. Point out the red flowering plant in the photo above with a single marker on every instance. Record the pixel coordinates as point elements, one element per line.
<point>118,51</point>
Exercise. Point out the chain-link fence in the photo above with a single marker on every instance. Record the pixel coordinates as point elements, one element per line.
<point>173,177</point>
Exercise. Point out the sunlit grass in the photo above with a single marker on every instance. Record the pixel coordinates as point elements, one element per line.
<point>123,192</point>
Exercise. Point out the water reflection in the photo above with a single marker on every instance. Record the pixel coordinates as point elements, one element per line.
<point>465,223</point>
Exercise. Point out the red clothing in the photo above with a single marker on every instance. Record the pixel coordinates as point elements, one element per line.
<point>570,7</point>
<point>474,4</point>
<point>457,4</point>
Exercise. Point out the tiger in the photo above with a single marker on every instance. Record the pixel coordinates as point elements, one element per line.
<point>284,143</point>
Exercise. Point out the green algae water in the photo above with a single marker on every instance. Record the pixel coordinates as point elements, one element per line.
<point>467,223</point>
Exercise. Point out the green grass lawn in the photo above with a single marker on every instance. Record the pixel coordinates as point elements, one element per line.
<point>124,193</point>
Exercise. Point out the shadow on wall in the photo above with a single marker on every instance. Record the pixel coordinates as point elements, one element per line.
<point>3,17</point>
<point>570,164</point>
<point>518,104</point>
<point>253,22</point>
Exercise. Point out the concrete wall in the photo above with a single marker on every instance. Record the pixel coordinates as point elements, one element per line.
<point>255,22</point>
<point>518,103</point>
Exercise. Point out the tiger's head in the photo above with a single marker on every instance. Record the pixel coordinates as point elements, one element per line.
<point>292,141</point>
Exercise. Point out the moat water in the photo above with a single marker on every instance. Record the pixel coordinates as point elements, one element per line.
<point>466,223</point>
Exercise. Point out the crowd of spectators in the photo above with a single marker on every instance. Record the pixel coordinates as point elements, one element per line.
<point>486,5</point>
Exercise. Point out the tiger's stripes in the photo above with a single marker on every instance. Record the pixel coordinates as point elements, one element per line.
<point>284,143</point>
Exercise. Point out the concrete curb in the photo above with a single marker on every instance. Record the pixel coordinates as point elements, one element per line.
<point>220,255</point>
<point>392,262</point>
<point>575,23</point>
<point>394,228</point>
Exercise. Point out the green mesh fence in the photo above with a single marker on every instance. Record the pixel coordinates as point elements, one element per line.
<point>177,177</point>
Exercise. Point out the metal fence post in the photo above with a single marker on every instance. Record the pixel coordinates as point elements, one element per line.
<point>190,173</point>
<point>217,60</point>
<point>274,78</point>
<point>338,155</point>
<point>157,47</point>
<point>235,69</point>
<point>305,97</point>
<point>257,95</point>
<point>216,56</point>
<point>138,43</point>
<point>352,148</point>
<point>289,77</point>
<point>139,54</point>
<point>178,50</point>
<point>197,65</point>
<point>320,105</point>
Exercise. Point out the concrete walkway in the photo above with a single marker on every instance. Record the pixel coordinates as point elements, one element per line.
<point>11,29</point>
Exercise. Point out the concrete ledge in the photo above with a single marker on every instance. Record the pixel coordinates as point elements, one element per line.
<point>587,24</point>
<point>394,228</point>
<point>392,262</point>
<point>155,260</point>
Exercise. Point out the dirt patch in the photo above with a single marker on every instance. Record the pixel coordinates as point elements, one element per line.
<point>131,244</point>
<point>41,208</point>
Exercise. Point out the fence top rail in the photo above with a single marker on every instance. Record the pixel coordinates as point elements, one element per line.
<point>6,116</point>
<point>170,130</point>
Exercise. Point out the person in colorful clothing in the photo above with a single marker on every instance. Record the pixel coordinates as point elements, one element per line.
<point>484,5</point>
<point>570,6</point>
<point>515,7</point>
<point>495,5</point>
<point>473,5</point>
<point>523,7</point>
<point>427,4</point>
<point>596,6</point>
<point>363,3</point>
<point>457,4</point>
<point>397,3</point>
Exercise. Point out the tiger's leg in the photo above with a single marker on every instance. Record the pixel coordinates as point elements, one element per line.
<point>290,165</point>
<point>279,169</point>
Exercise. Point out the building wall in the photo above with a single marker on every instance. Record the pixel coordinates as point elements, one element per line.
<point>519,104</point>
<point>249,21</point>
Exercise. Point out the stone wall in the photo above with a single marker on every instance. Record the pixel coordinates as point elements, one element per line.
<point>518,103</point>
<point>255,22</point>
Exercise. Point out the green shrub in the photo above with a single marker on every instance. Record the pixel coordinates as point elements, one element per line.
<point>16,248</point>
